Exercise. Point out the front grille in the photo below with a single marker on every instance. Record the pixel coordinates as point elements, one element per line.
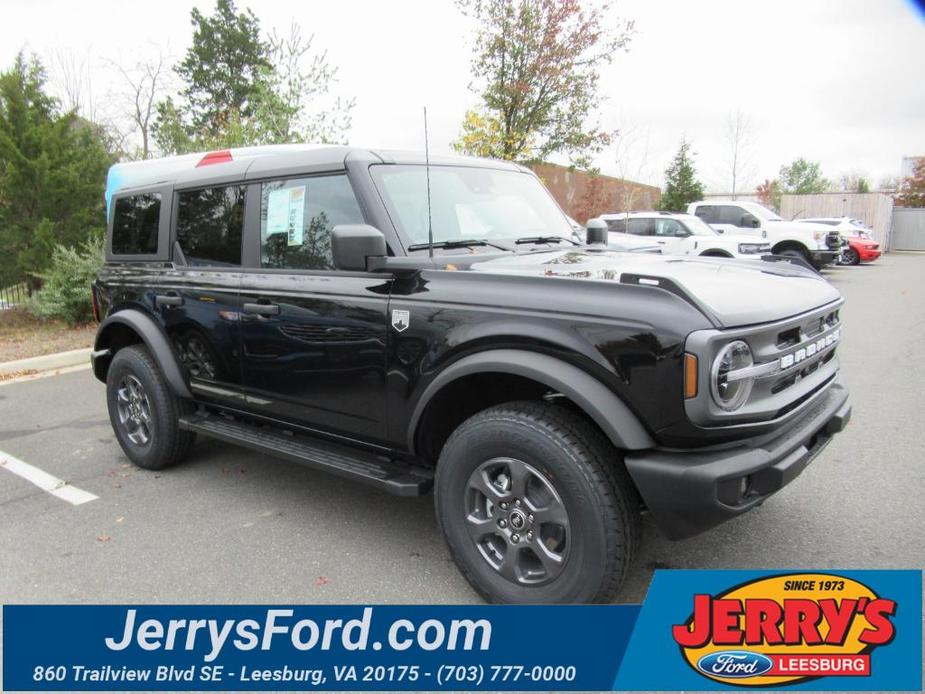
<point>793,358</point>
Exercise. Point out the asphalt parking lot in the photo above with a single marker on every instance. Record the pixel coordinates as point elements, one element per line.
<point>232,526</point>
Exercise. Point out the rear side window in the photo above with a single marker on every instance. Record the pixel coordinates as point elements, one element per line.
<point>642,227</point>
<point>707,213</point>
<point>135,224</point>
<point>296,219</point>
<point>617,225</point>
<point>209,225</point>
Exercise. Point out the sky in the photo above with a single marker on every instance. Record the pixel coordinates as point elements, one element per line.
<point>841,82</point>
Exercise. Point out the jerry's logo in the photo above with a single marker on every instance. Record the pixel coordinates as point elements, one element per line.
<point>786,629</point>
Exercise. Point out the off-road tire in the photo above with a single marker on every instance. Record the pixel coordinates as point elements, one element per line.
<point>167,444</point>
<point>586,471</point>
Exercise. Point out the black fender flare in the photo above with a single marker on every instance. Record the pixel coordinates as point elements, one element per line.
<point>154,339</point>
<point>600,403</point>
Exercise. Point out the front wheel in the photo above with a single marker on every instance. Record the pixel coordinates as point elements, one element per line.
<point>144,412</point>
<point>850,257</point>
<point>536,507</point>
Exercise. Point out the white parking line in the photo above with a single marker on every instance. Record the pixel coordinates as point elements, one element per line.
<point>44,481</point>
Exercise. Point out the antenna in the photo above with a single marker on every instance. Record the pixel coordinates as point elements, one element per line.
<point>430,225</point>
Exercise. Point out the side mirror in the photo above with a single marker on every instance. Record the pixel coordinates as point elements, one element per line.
<point>596,233</point>
<point>353,244</point>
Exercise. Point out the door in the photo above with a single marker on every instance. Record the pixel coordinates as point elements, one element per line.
<point>199,301</point>
<point>672,236</point>
<point>313,339</point>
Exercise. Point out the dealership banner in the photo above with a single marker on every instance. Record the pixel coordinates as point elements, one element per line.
<point>708,630</point>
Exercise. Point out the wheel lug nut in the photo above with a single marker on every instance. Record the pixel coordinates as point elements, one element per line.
<point>517,502</point>
<point>504,506</point>
<point>502,523</point>
<point>530,517</point>
<point>515,538</point>
<point>530,535</point>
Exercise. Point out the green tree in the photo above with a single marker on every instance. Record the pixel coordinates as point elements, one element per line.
<point>52,173</point>
<point>681,184</point>
<point>911,192</point>
<point>246,89</point>
<point>222,66</point>
<point>854,182</point>
<point>802,177</point>
<point>536,65</point>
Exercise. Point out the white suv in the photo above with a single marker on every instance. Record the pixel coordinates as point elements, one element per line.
<point>682,234</point>
<point>816,244</point>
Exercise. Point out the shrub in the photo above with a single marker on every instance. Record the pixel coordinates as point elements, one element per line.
<point>65,293</point>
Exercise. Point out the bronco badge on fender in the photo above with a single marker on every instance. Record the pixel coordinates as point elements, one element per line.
<point>786,629</point>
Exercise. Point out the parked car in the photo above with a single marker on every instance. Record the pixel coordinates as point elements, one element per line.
<point>682,234</point>
<point>310,304</point>
<point>818,245</point>
<point>628,245</point>
<point>860,246</point>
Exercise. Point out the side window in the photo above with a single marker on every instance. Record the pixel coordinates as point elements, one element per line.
<point>135,224</point>
<point>708,213</point>
<point>667,227</point>
<point>641,227</point>
<point>209,225</point>
<point>618,225</point>
<point>296,219</point>
<point>730,214</point>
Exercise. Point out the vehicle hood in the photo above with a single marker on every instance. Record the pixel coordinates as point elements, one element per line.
<point>729,292</point>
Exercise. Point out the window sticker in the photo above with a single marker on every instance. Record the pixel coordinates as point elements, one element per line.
<point>296,227</point>
<point>286,214</point>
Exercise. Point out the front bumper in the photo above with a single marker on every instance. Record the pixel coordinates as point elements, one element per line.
<point>688,492</point>
<point>867,255</point>
<point>822,258</point>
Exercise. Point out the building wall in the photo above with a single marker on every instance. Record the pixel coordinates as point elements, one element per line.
<point>584,196</point>
<point>874,209</point>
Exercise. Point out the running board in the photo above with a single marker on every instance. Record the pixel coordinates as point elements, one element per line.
<point>395,477</point>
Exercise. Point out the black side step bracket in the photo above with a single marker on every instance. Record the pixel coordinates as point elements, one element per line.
<point>392,476</point>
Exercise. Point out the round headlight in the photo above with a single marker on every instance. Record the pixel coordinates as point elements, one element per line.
<point>730,392</point>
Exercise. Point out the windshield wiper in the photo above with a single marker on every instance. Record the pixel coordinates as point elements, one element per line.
<point>455,243</point>
<point>545,239</point>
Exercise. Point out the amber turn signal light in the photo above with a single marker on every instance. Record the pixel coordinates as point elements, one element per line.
<point>690,376</point>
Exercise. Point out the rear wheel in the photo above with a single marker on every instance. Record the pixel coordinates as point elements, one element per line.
<point>536,507</point>
<point>144,412</point>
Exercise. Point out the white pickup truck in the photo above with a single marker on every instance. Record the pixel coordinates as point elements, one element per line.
<point>817,244</point>
<point>681,234</point>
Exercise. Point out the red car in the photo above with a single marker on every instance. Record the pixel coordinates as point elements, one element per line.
<point>861,247</point>
<point>860,250</point>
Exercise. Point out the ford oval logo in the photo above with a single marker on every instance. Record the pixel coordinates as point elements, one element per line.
<point>734,664</point>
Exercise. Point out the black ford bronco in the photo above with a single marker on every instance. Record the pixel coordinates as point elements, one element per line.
<point>437,327</point>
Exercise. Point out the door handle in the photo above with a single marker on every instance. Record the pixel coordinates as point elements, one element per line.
<point>262,309</point>
<point>171,299</point>
<point>660,242</point>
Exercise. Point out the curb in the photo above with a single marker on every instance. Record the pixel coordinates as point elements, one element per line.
<point>48,362</point>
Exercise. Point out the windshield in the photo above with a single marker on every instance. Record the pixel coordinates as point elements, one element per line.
<point>698,227</point>
<point>468,203</point>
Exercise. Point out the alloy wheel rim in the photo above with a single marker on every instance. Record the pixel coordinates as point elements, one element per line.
<point>134,410</point>
<point>517,521</point>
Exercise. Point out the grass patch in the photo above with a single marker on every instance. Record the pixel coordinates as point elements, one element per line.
<point>23,335</point>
